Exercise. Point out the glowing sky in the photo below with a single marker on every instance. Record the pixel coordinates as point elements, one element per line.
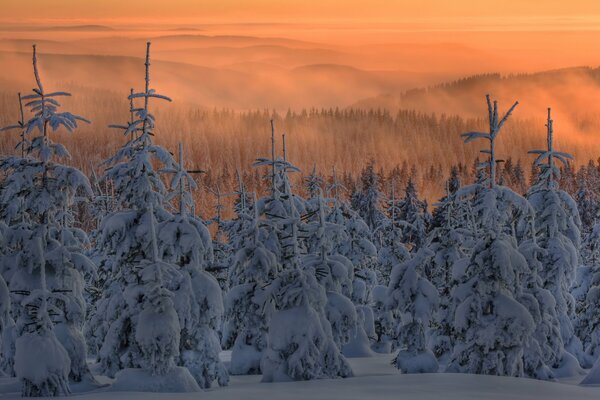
<point>572,14</point>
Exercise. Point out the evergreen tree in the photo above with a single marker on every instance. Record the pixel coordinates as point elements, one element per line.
<point>154,302</point>
<point>491,325</point>
<point>304,349</point>
<point>446,242</point>
<point>36,204</point>
<point>588,321</point>
<point>335,273</point>
<point>557,228</point>
<point>389,236</point>
<point>413,212</point>
<point>247,309</point>
<point>415,299</point>
<point>366,201</point>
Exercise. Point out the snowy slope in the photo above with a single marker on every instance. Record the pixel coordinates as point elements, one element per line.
<point>375,379</point>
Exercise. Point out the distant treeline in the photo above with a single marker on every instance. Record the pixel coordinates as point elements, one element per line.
<point>403,144</point>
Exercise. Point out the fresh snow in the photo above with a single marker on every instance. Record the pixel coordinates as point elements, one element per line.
<point>375,378</point>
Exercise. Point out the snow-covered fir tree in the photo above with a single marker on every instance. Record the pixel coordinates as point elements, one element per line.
<point>415,299</point>
<point>313,183</point>
<point>366,201</point>
<point>588,320</point>
<point>161,257</point>
<point>247,309</point>
<point>221,248</point>
<point>389,235</point>
<point>492,326</point>
<point>385,321</point>
<point>36,204</point>
<point>446,241</point>
<point>334,272</point>
<point>413,212</point>
<point>557,228</point>
<point>543,349</point>
<point>300,344</point>
<point>186,242</point>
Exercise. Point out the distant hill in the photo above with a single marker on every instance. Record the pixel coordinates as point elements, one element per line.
<point>57,28</point>
<point>573,94</point>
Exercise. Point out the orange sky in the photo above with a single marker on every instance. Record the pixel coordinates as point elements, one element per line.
<point>526,13</point>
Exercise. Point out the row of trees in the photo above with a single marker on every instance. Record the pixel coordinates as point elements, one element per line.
<point>488,283</point>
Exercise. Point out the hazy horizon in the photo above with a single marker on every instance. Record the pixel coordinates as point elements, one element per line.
<point>303,55</point>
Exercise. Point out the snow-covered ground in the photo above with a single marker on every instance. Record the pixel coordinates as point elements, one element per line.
<point>374,378</point>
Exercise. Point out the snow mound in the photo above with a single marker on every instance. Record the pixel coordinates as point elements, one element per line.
<point>593,378</point>
<point>178,380</point>
<point>569,366</point>
<point>423,362</point>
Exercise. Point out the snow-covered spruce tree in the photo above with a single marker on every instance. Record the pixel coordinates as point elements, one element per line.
<point>445,241</point>
<point>543,348</point>
<point>385,321</point>
<point>587,203</point>
<point>185,241</point>
<point>242,207</point>
<point>447,210</point>
<point>415,299</point>
<point>588,320</point>
<point>491,326</point>
<point>334,272</point>
<point>300,341</point>
<point>354,243</point>
<point>413,212</point>
<point>7,324</point>
<point>557,228</point>
<point>389,235</point>
<point>156,253</point>
<point>103,203</point>
<point>358,248</point>
<point>222,250</point>
<point>157,329</point>
<point>247,310</point>
<point>366,202</point>
<point>36,202</point>
<point>313,184</point>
